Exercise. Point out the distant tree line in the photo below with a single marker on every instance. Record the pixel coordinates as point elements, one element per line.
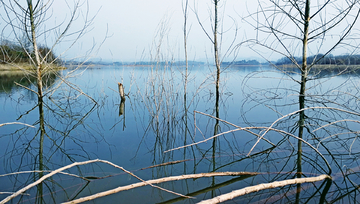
<point>141,63</point>
<point>242,62</point>
<point>320,58</point>
<point>329,59</point>
<point>11,52</point>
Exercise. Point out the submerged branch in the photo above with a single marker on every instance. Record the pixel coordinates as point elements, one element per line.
<point>19,192</point>
<point>276,184</point>
<point>41,171</point>
<point>160,180</point>
<point>18,123</point>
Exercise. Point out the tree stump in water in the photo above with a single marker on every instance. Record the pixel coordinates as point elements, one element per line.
<point>121,91</point>
<point>122,96</point>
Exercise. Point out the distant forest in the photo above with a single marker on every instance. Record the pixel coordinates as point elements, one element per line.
<point>141,63</point>
<point>329,59</point>
<point>14,53</point>
<point>243,62</point>
<point>320,58</point>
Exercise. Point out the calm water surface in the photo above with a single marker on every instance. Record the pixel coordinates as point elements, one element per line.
<point>157,116</point>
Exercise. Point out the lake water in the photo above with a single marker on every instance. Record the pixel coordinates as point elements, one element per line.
<point>157,116</point>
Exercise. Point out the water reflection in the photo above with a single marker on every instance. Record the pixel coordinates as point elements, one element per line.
<point>33,153</point>
<point>122,108</point>
<point>322,126</point>
<point>160,116</point>
<point>289,159</point>
<point>323,71</point>
<point>10,79</point>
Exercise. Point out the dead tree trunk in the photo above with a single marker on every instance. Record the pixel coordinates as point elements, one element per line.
<point>216,49</point>
<point>304,78</point>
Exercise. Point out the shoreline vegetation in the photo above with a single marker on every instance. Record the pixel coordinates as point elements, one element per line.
<point>92,64</point>
<point>19,73</point>
<point>20,67</point>
<point>330,61</point>
<point>15,58</point>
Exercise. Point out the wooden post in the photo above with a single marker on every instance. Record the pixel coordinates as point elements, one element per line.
<point>121,91</point>
<point>122,102</point>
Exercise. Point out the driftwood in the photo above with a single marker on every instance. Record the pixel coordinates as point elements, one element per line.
<point>155,181</point>
<point>247,190</point>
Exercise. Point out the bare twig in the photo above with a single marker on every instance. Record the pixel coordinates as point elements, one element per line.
<point>1,193</point>
<point>295,112</point>
<point>165,164</point>
<point>240,128</point>
<point>338,121</point>
<point>39,171</point>
<point>17,123</point>
<point>26,88</point>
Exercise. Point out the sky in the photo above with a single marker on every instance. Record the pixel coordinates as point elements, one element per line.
<point>146,30</point>
<point>133,28</point>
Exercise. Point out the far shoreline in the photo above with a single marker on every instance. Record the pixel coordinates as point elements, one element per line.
<point>16,67</point>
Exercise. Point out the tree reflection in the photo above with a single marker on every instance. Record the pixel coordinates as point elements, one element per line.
<point>324,114</point>
<point>50,146</point>
<point>328,125</point>
<point>122,113</point>
<point>10,79</point>
<point>168,124</point>
<point>290,157</point>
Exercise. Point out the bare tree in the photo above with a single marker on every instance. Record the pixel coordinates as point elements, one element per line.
<point>215,32</point>
<point>301,28</point>
<point>27,24</point>
<point>216,48</point>
<point>297,30</point>
<point>286,27</point>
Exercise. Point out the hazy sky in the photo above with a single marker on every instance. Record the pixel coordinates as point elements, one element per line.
<point>134,29</point>
<point>143,30</point>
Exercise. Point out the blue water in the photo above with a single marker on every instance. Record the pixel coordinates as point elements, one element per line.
<point>155,120</point>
